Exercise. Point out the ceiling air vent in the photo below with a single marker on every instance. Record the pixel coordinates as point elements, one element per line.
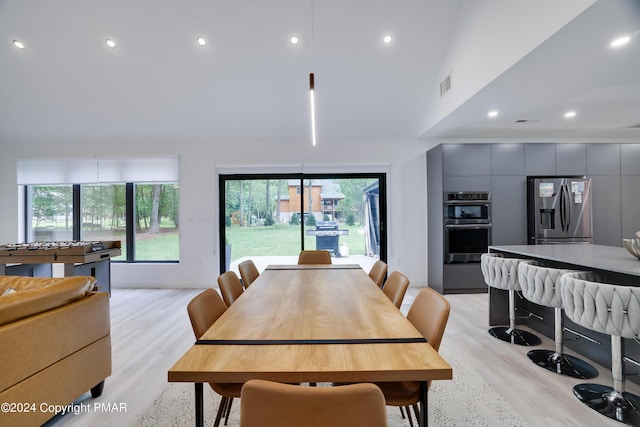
<point>445,85</point>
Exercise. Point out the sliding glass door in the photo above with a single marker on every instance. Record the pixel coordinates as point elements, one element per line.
<point>270,218</point>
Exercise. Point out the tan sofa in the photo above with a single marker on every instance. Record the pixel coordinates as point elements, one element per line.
<point>55,345</point>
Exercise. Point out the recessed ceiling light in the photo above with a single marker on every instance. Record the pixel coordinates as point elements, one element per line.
<point>492,113</point>
<point>201,41</point>
<point>19,45</point>
<point>294,40</point>
<point>387,39</point>
<point>620,41</point>
<point>110,43</point>
<point>569,114</point>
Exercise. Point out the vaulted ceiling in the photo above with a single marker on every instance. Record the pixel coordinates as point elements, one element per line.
<point>250,82</point>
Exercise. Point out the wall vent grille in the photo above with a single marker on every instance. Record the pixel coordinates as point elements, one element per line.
<point>445,85</point>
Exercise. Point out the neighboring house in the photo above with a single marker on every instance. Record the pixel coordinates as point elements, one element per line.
<point>325,195</point>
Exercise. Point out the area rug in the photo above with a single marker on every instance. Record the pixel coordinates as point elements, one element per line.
<point>467,400</point>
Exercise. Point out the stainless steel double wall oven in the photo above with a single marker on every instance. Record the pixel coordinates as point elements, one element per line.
<point>467,226</point>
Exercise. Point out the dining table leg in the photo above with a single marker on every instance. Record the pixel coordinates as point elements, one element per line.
<point>199,406</point>
<point>424,409</point>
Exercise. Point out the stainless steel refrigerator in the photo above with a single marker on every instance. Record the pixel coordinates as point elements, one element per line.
<point>559,210</point>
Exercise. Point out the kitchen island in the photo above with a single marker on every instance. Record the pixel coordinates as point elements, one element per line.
<point>612,264</point>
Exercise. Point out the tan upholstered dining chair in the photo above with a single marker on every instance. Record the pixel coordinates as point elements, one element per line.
<point>314,257</point>
<point>378,272</point>
<point>271,404</point>
<point>395,287</point>
<point>204,309</point>
<point>248,272</point>
<point>429,313</point>
<point>230,287</point>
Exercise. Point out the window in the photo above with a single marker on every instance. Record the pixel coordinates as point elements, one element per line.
<point>270,218</point>
<point>104,214</point>
<point>151,223</point>
<point>157,231</point>
<point>134,200</point>
<point>51,213</point>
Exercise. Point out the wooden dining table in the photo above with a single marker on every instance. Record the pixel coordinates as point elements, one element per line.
<point>311,323</point>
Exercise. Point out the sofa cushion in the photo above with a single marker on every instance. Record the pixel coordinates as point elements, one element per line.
<point>8,291</point>
<point>35,295</point>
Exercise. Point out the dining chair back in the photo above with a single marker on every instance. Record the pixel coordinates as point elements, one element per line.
<point>314,257</point>
<point>378,272</point>
<point>248,272</point>
<point>429,314</point>
<point>395,287</point>
<point>230,287</point>
<point>204,309</point>
<point>271,404</point>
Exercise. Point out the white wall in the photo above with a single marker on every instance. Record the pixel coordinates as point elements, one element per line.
<point>490,37</point>
<point>199,258</point>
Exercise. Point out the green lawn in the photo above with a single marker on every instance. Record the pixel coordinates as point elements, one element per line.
<point>158,247</point>
<point>282,240</point>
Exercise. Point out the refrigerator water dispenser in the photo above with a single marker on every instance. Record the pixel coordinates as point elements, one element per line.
<point>547,219</point>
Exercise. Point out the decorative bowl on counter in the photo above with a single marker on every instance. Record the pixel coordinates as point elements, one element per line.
<point>633,246</point>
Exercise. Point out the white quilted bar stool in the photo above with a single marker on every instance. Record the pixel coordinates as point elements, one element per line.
<point>541,285</point>
<point>502,273</point>
<point>613,310</point>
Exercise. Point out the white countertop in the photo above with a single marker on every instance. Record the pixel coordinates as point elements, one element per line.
<point>606,258</point>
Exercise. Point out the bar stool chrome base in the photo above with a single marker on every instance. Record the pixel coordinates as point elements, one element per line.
<point>623,407</point>
<point>564,364</point>
<point>514,336</point>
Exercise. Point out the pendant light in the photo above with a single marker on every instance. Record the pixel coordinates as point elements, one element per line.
<point>312,102</point>
<point>312,96</point>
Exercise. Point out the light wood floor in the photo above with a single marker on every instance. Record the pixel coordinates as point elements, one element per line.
<point>151,330</point>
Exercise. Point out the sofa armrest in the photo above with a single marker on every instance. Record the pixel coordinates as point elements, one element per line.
<point>37,342</point>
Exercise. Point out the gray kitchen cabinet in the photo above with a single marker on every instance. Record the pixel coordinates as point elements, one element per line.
<point>502,169</point>
<point>467,183</point>
<point>630,159</point>
<point>571,159</point>
<point>603,168</point>
<point>466,159</point>
<point>507,159</point>
<point>434,170</point>
<point>630,193</point>
<point>463,278</point>
<point>603,159</point>
<point>509,210</point>
<point>435,242</point>
<point>540,159</point>
<point>606,209</point>
<point>452,168</point>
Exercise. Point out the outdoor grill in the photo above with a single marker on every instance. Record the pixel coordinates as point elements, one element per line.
<point>327,236</point>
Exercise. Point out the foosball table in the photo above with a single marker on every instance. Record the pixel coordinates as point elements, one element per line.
<point>80,258</point>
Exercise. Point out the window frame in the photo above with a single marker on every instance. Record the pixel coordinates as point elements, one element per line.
<point>301,176</point>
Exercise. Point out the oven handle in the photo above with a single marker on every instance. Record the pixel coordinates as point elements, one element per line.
<point>469,226</point>
<point>467,202</point>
